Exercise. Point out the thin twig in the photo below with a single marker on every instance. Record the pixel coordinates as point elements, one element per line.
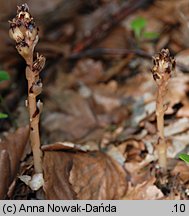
<point>98,52</point>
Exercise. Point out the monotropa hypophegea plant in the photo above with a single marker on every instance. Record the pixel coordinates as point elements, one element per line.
<point>162,70</point>
<point>25,33</point>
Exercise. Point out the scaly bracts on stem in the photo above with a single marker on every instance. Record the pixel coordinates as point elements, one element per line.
<point>25,33</point>
<point>161,71</point>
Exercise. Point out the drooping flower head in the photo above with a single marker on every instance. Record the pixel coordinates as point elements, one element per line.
<point>24,31</point>
<point>164,64</point>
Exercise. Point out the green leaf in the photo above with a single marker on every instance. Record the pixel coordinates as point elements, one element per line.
<point>138,25</point>
<point>3,115</point>
<point>4,75</point>
<point>150,35</point>
<point>184,157</point>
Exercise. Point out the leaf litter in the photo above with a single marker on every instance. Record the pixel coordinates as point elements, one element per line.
<point>98,125</point>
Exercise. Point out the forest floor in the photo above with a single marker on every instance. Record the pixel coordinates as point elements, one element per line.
<point>98,124</point>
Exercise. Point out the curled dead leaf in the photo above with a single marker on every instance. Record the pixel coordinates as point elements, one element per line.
<point>181,169</point>
<point>177,127</point>
<point>90,175</point>
<point>11,150</point>
<point>76,118</point>
<point>88,71</point>
<point>57,166</point>
<point>63,146</point>
<point>144,191</point>
<point>97,176</point>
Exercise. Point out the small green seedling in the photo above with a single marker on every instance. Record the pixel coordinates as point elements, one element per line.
<point>3,115</point>
<point>138,26</point>
<point>3,76</point>
<point>184,157</point>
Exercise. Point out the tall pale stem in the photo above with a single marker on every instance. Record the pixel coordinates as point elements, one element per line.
<point>34,118</point>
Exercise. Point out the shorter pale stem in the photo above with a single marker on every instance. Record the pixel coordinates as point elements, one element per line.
<point>161,146</point>
<point>161,71</point>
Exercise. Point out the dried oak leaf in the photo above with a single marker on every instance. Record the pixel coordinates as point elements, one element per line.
<point>144,191</point>
<point>88,71</point>
<point>63,146</point>
<point>97,176</point>
<point>91,175</point>
<point>11,150</point>
<point>57,166</point>
<point>76,118</point>
<point>181,169</point>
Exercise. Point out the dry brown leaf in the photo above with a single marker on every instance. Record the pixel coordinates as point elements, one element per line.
<point>86,23</point>
<point>183,57</point>
<point>179,126</point>
<point>139,171</point>
<point>11,151</point>
<point>76,118</point>
<point>38,6</point>
<point>144,191</point>
<point>117,39</point>
<point>6,8</point>
<point>88,71</point>
<point>134,150</point>
<point>181,169</point>
<point>57,166</point>
<point>166,10</point>
<point>183,111</point>
<point>97,176</point>
<point>180,83</point>
<point>108,100</point>
<point>177,89</point>
<point>91,175</point>
<point>62,146</point>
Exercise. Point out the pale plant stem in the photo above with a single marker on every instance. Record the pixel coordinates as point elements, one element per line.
<point>161,71</point>
<point>161,146</point>
<point>34,119</point>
